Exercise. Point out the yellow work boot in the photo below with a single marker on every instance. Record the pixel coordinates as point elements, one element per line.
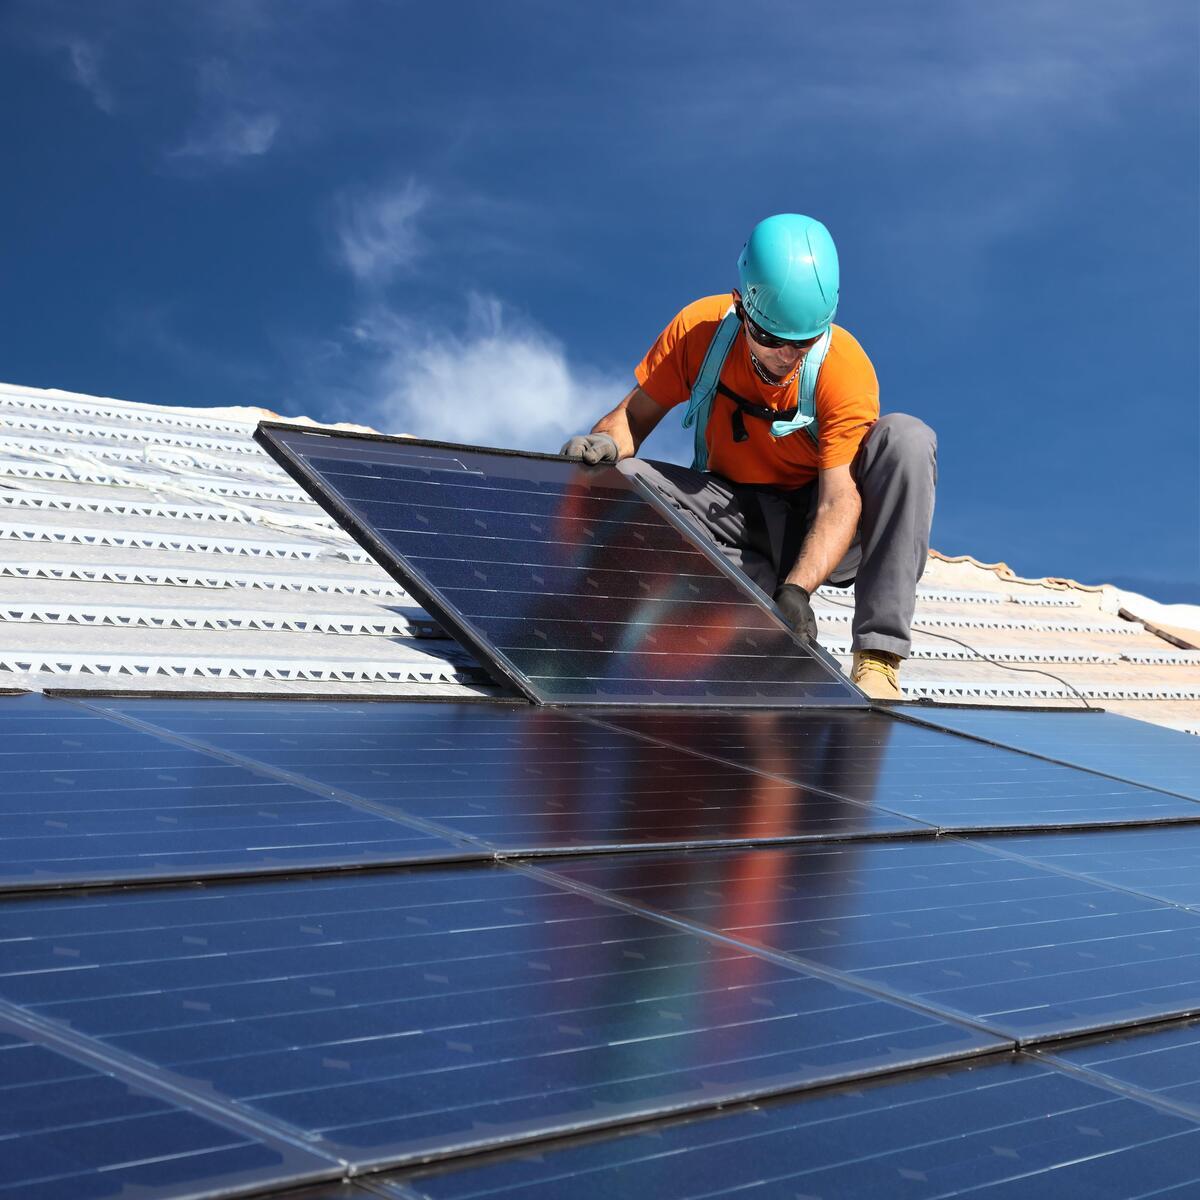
<point>877,672</point>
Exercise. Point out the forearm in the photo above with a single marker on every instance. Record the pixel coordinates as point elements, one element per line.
<point>630,422</point>
<point>828,540</point>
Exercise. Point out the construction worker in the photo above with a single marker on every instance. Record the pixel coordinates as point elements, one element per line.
<point>795,476</point>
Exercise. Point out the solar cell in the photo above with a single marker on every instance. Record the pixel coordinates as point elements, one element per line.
<point>1163,863</point>
<point>516,778</point>
<point>69,1131</point>
<point>1024,951</point>
<point>571,582</point>
<point>1097,741</point>
<point>953,782</point>
<point>1164,1061</point>
<point>1003,1129</point>
<point>85,799</point>
<point>425,1011</point>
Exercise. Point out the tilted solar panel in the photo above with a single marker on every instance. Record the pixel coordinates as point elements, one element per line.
<point>572,583</point>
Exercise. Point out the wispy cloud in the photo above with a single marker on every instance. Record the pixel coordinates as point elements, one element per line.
<point>376,231</point>
<point>229,128</point>
<point>83,62</point>
<point>499,380</point>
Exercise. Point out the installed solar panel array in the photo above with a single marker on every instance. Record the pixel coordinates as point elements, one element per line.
<point>461,949</point>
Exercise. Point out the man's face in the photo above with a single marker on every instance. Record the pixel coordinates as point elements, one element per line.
<point>779,360</point>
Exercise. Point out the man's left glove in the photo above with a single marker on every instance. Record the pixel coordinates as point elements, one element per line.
<point>793,603</point>
<point>592,448</point>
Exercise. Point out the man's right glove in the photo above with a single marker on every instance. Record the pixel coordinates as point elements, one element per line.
<point>793,603</point>
<point>592,448</point>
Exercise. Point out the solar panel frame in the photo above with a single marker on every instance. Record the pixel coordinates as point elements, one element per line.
<point>278,439</point>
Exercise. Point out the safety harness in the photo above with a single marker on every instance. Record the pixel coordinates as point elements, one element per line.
<point>708,384</point>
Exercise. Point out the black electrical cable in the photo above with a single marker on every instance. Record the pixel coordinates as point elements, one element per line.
<point>980,654</point>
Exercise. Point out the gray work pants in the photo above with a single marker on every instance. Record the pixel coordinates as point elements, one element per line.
<point>761,529</point>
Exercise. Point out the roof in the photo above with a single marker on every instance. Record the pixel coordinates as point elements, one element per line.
<point>143,522</point>
<point>295,901</point>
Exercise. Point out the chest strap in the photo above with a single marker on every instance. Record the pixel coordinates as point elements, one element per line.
<point>708,385</point>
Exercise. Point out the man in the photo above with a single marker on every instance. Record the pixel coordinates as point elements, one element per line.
<point>796,476</point>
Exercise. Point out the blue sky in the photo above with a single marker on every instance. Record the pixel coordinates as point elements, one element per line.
<point>469,221</point>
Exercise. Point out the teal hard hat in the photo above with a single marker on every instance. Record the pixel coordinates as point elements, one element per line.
<point>788,276</point>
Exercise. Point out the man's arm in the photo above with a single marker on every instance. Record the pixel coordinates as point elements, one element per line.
<point>839,507</point>
<point>631,422</point>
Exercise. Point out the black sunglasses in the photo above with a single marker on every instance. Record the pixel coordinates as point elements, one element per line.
<point>768,341</point>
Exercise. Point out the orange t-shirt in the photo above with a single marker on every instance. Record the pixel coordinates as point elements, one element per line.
<point>847,400</point>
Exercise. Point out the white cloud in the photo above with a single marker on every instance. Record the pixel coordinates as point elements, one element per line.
<point>230,127</point>
<point>376,231</point>
<point>230,137</point>
<point>501,382</point>
<point>83,58</point>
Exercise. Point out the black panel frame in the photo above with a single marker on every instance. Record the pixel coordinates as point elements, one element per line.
<point>493,659</point>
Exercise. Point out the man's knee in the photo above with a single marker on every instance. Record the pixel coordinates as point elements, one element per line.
<point>902,441</point>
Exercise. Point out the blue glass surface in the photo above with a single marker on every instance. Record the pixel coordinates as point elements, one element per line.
<point>87,799</point>
<point>430,1010</point>
<point>1025,951</point>
<point>1011,1129</point>
<point>1118,746</point>
<point>567,581</point>
<point>1159,862</point>
<point>69,1131</point>
<point>952,782</point>
<point>516,777</point>
<point>1164,1061</point>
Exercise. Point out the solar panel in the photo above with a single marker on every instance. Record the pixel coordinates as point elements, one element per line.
<point>1097,741</point>
<point>1011,1128</point>
<point>952,782</point>
<point>1162,863</point>
<point>70,1131</point>
<point>573,583</point>
<point>84,799</point>
<point>1163,1061</point>
<point>401,1014</point>
<point>516,778</point>
<point>1024,951</point>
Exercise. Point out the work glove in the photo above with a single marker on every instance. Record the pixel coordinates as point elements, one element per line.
<point>793,604</point>
<point>591,448</point>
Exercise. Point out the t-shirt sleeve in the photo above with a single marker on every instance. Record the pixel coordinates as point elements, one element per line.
<point>847,403</point>
<point>669,369</point>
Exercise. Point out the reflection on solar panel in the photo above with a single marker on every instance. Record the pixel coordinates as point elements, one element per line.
<point>393,1015</point>
<point>952,782</point>
<point>1024,951</point>
<point>516,778</point>
<point>69,1131</point>
<point>84,799</point>
<point>1097,741</point>
<point>570,582</point>
<point>1013,1128</point>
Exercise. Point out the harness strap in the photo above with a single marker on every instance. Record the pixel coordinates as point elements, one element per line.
<point>708,384</point>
